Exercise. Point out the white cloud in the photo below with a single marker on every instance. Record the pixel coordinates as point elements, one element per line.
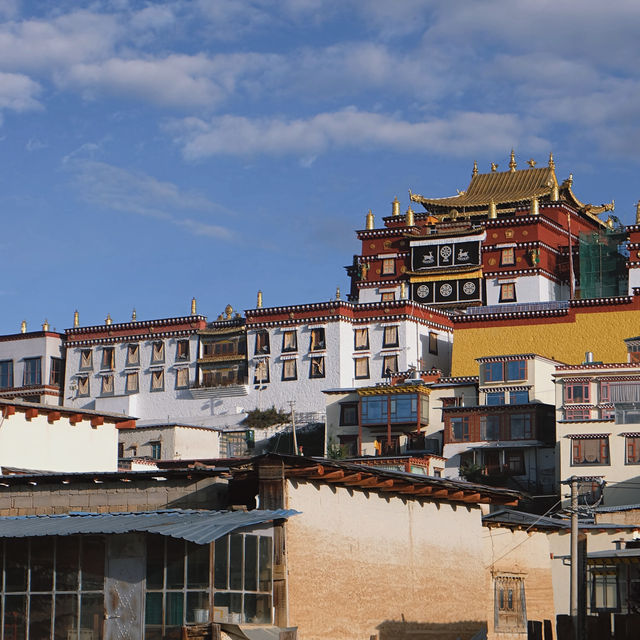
<point>458,134</point>
<point>115,189</point>
<point>18,92</point>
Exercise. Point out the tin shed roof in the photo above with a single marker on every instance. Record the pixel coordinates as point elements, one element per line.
<point>200,527</point>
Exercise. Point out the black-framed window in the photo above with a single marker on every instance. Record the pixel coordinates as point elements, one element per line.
<point>157,352</point>
<point>348,414</point>
<point>390,337</point>
<point>459,429</point>
<point>83,386</point>
<point>32,371</point>
<point>389,364</point>
<point>133,354</point>
<point>361,368</point>
<point>56,373</point>
<point>508,292</point>
<point>182,350</point>
<point>290,369</point>
<point>317,339</point>
<point>433,343</point>
<point>107,385</point>
<point>289,340</point>
<point>262,342</point>
<point>316,367</point>
<point>86,359</point>
<point>261,375</point>
<point>108,358</point>
<point>182,378</point>
<point>157,380</point>
<point>132,382</point>
<point>361,339</point>
<point>6,374</point>
<point>590,451</point>
<point>156,449</point>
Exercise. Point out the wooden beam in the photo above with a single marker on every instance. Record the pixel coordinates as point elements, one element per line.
<point>440,493</point>
<point>368,482</point>
<point>53,416</point>
<point>333,476</point>
<point>96,421</point>
<point>456,495</point>
<point>74,418</point>
<point>352,478</point>
<point>420,491</point>
<point>471,497</point>
<point>126,424</point>
<point>31,413</point>
<point>302,471</point>
<point>9,410</point>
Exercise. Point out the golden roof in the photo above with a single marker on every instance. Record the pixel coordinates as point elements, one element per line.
<point>498,187</point>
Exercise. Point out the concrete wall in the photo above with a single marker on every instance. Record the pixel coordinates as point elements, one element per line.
<point>360,562</point>
<point>526,555</point>
<point>60,446</point>
<point>528,289</point>
<point>177,442</point>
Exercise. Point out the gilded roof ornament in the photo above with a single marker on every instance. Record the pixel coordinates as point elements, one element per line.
<point>552,164</point>
<point>409,219</point>
<point>193,306</point>
<point>475,169</point>
<point>337,293</point>
<point>493,212</point>
<point>76,318</point>
<point>494,167</point>
<point>23,326</point>
<point>134,315</point>
<point>395,207</point>
<point>512,161</point>
<point>108,320</point>
<point>638,212</point>
<point>531,162</point>
<point>45,325</point>
<point>370,222</point>
<point>259,301</point>
<point>228,312</point>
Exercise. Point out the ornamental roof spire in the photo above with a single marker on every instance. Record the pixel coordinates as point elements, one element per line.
<point>552,164</point>
<point>512,161</point>
<point>475,169</point>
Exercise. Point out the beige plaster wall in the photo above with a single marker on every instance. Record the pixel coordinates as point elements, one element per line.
<point>361,563</point>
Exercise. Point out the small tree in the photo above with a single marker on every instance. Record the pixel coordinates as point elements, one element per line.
<point>261,419</point>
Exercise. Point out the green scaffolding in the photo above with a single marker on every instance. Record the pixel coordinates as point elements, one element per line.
<point>603,270</point>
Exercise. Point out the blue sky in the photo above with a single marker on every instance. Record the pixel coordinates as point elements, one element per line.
<point>155,151</point>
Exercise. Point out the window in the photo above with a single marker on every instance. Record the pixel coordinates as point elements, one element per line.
<point>403,408</point>
<point>516,370</point>
<point>361,339</point>
<point>290,341</point>
<point>132,384</point>
<point>577,415</point>
<point>508,292</point>
<point>632,447</point>
<point>32,371</point>
<point>133,355</point>
<point>509,608</point>
<point>361,366</point>
<point>348,446</point>
<point>177,585</point>
<point>86,359</point>
<point>607,413</point>
<point>373,410</point>
<point>107,385</point>
<point>6,374</point>
<point>605,392</point>
<point>262,341</point>
<point>518,397</point>
<point>261,374</point>
<point>157,380</point>
<point>388,266</point>
<point>460,429</point>
<point>387,296</point>
<point>604,589</point>
<point>576,392</point>
<point>120,450</point>
<point>590,451</point>
<point>348,414</point>
<point>520,426</point>
<point>389,365</point>
<point>508,257</point>
<point>182,378</point>
<point>493,398</point>
<point>290,369</point>
<point>56,375</point>
<point>182,350</point>
<point>157,352</point>
<point>83,386</point>
<point>243,577</point>
<point>156,450</point>
<point>316,367</point>
<point>514,462</point>
<point>108,358</point>
<point>433,343</point>
<point>222,348</point>
<point>493,372</point>
<point>317,340</point>
<point>62,579</point>
<point>490,428</point>
<point>390,338</point>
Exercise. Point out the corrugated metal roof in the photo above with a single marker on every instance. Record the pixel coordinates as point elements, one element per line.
<point>200,527</point>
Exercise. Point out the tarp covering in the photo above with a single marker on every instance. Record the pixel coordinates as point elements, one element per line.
<point>196,526</point>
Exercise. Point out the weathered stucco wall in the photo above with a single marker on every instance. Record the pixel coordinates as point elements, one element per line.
<point>361,563</point>
<point>525,555</point>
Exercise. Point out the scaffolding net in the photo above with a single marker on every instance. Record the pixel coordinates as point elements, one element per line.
<point>603,256</point>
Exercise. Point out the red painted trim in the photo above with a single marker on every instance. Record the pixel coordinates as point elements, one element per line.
<point>31,413</point>
<point>126,424</point>
<point>97,421</point>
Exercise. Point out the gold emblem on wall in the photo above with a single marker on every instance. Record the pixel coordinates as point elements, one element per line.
<point>518,259</point>
<point>378,271</point>
<point>508,233</point>
<point>492,261</point>
<point>387,244</point>
<point>525,232</point>
<point>403,269</point>
<point>372,245</point>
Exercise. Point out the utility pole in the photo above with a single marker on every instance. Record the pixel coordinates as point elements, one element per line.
<point>292,404</point>
<point>574,556</point>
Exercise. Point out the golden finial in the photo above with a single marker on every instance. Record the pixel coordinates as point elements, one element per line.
<point>493,212</point>
<point>552,164</point>
<point>494,167</point>
<point>512,161</point>
<point>555,191</point>
<point>474,173</point>
<point>409,220</point>
<point>395,207</point>
<point>403,290</point>
<point>228,312</point>
<point>108,320</point>
<point>531,162</point>
<point>337,293</point>
<point>259,303</point>
<point>638,212</point>
<point>609,222</point>
<point>570,180</point>
<point>193,306</point>
<point>535,208</point>
<point>134,315</point>
<point>76,318</point>
<point>370,223</point>
<point>45,325</point>
<point>23,326</point>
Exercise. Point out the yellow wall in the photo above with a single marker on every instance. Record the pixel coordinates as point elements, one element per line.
<point>565,339</point>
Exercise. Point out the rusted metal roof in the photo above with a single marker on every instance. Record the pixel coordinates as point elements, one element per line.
<point>196,526</point>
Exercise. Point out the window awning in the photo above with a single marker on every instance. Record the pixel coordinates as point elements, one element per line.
<point>201,527</point>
